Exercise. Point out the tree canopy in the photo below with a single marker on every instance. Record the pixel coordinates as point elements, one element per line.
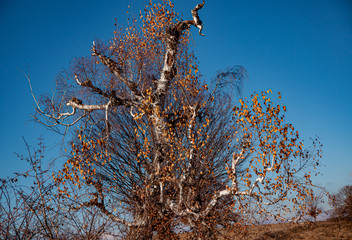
<point>161,151</point>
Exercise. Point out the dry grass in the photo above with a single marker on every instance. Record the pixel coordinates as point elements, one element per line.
<point>288,231</point>
<point>317,231</point>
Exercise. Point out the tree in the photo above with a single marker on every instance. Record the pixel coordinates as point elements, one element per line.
<point>343,203</point>
<point>159,152</point>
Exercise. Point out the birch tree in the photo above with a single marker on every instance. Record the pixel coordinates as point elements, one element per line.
<point>160,151</point>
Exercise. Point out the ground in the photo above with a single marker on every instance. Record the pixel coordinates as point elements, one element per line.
<point>322,230</point>
<point>317,231</point>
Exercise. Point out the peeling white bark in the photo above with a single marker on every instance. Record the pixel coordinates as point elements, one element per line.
<point>196,19</point>
<point>190,158</point>
<point>86,106</point>
<point>172,39</point>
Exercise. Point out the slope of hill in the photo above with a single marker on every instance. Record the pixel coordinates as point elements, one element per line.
<point>317,231</point>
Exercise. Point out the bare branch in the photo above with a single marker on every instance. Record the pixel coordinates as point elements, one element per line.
<point>77,103</point>
<point>88,83</point>
<point>117,71</point>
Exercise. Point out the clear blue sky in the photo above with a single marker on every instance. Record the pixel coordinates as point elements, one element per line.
<point>301,48</point>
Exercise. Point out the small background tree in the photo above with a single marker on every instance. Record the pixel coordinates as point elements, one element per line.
<point>342,203</point>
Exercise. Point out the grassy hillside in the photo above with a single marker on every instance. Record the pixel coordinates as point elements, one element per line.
<point>317,231</point>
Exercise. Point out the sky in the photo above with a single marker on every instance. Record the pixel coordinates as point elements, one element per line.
<point>302,49</point>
